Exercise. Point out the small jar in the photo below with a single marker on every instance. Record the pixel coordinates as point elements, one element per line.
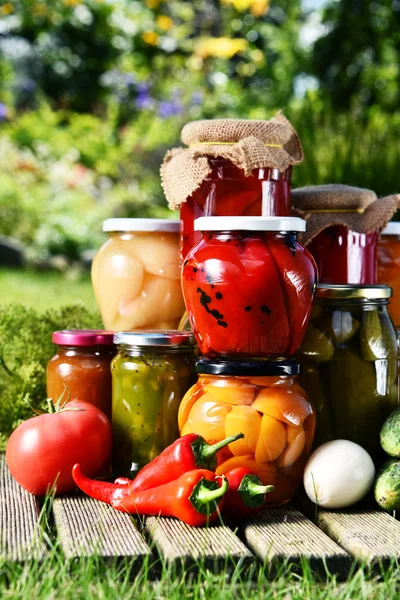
<point>150,375</point>
<point>248,286</point>
<point>349,359</point>
<point>344,256</point>
<point>82,365</point>
<point>136,275</point>
<point>263,401</point>
<point>389,266</point>
<point>226,191</point>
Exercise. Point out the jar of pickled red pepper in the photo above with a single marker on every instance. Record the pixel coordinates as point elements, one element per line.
<point>262,400</point>
<point>389,266</point>
<point>136,275</point>
<point>349,360</point>
<point>150,375</point>
<point>81,367</point>
<point>226,191</point>
<point>248,286</point>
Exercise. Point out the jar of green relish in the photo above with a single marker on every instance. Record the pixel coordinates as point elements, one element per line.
<point>151,373</point>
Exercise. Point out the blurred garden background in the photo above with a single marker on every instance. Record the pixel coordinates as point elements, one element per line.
<point>93,93</point>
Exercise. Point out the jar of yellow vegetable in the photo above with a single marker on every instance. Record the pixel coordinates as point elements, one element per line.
<point>136,275</point>
<point>150,375</point>
<point>263,401</point>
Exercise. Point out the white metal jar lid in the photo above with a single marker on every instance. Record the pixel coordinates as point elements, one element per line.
<point>166,225</point>
<point>392,228</point>
<point>249,224</point>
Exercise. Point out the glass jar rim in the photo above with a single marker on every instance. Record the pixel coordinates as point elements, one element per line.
<point>284,224</point>
<point>253,368</point>
<point>83,337</point>
<point>353,291</point>
<point>132,225</point>
<point>154,337</point>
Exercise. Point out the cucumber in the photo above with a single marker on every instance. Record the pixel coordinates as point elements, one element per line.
<point>344,326</point>
<point>316,345</point>
<point>387,486</point>
<point>390,434</point>
<point>375,342</point>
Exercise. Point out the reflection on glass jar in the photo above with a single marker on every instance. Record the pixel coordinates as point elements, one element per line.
<point>349,359</point>
<point>226,191</point>
<point>389,266</point>
<point>248,286</point>
<point>150,375</point>
<point>263,401</point>
<point>136,275</point>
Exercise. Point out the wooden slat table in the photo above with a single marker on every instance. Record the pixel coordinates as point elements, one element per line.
<point>273,536</point>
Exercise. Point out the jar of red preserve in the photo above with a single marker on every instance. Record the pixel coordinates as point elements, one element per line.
<point>389,266</point>
<point>248,286</point>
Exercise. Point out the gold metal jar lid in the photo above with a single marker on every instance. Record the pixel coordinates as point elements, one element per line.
<point>352,292</point>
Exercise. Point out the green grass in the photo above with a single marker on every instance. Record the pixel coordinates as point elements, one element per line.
<point>43,290</point>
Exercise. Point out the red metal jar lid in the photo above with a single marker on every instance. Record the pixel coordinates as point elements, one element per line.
<point>83,337</point>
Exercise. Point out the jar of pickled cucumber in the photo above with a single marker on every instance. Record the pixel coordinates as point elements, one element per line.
<point>263,400</point>
<point>136,275</point>
<point>150,375</point>
<point>349,359</point>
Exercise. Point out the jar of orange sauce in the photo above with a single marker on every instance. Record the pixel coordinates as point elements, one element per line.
<point>81,366</point>
<point>389,266</point>
<point>263,401</point>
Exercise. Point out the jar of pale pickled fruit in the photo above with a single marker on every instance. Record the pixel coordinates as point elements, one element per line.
<point>349,360</point>
<point>262,400</point>
<point>136,275</point>
<point>248,286</point>
<point>389,266</point>
<point>150,375</point>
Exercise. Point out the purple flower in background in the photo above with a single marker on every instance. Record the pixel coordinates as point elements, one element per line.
<point>170,109</point>
<point>129,79</point>
<point>3,111</point>
<point>197,98</point>
<point>143,87</point>
<point>143,98</point>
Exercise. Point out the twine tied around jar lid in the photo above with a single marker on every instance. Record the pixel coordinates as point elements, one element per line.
<point>248,144</point>
<point>358,209</point>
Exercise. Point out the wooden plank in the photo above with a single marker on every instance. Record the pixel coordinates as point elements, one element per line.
<point>20,531</point>
<point>216,547</point>
<point>369,535</point>
<point>86,526</point>
<point>284,534</point>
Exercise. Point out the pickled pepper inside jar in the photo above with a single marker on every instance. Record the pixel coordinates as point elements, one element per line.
<point>150,375</point>
<point>248,286</point>
<point>263,400</point>
<point>136,275</point>
<point>389,266</point>
<point>350,365</point>
<point>81,367</point>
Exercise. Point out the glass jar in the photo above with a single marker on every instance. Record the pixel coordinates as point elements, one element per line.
<point>82,364</point>
<point>136,275</point>
<point>248,286</point>
<point>150,375</point>
<point>389,266</point>
<point>263,401</point>
<point>226,191</point>
<point>354,256</point>
<point>349,359</point>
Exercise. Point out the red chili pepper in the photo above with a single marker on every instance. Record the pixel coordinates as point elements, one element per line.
<point>246,493</point>
<point>195,497</point>
<point>186,454</point>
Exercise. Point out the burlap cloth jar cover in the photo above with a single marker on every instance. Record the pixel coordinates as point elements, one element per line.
<point>356,208</point>
<point>248,144</point>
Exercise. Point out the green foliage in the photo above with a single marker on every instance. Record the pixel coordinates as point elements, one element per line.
<point>25,349</point>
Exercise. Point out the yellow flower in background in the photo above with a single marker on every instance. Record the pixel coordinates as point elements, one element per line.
<point>258,8</point>
<point>40,9</point>
<point>72,2</point>
<point>150,37</point>
<point>153,3</point>
<point>165,23</point>
<point>7,8</point>
<point>222,47</point>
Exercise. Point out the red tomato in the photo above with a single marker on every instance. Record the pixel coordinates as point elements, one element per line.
<point>42,451</point>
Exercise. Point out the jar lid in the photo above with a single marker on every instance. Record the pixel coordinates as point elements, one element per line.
<point>349,292</point>
<point>155,337</point>
<point>249,224</point>
<point>392,228</point>
<point>251,368</point>
<point>83,337</point>
<point>115,225</point>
